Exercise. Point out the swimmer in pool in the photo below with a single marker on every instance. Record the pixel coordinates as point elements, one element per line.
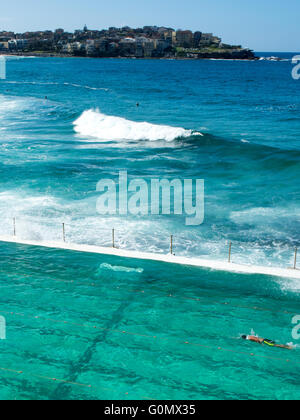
<point>265,341</point>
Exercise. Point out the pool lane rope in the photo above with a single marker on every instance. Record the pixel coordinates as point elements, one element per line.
<point>63,381</point>
<point>175,296</point>
<point>155,337</point>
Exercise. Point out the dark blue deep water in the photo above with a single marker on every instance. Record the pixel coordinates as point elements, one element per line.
<point>249,113</point>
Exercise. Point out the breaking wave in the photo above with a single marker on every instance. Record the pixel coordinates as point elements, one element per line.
<point>93,123</point>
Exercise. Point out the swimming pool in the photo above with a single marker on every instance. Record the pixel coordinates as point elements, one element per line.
<point>86,326</point>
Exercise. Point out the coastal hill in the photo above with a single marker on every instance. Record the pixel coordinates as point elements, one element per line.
<point>146,42</point>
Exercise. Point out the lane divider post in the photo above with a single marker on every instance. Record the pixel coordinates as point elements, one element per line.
<point>171,245</point>
<point>64,232</point>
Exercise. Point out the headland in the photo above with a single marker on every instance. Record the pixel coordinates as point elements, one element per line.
<point>147,42</point>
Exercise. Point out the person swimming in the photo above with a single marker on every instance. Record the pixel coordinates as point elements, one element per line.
<point>265,341</point>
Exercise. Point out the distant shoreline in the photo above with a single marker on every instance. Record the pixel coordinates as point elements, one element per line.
<point>55,55</point>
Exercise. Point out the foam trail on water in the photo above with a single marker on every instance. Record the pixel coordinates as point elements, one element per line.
<point>116,268</point>
<point>75,85</point>
<point>94,124</point>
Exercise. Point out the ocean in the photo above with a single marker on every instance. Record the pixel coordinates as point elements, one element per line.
<point>67,123</point>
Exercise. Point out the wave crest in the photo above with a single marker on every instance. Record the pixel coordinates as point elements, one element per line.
<point>94,124</point>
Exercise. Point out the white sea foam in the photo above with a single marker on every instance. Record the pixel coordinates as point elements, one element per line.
<point>17,114</point>
<point>13,82</point>
<point>40,217</point>
<point>262,214</point>
<point>93,123</point>
<point>17,57</point>
<point>75,85</point>
<point>85,87</point>
<point>116,268</point>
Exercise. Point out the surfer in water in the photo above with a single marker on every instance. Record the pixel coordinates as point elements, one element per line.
<point>265,341</point>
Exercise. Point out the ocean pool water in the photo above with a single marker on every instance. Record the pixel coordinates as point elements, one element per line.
<point>145,314</point>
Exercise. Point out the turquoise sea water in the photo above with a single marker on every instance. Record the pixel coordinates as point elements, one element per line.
<point>52,154</point>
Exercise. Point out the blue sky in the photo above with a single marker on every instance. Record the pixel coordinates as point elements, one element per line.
<point>263,25</point>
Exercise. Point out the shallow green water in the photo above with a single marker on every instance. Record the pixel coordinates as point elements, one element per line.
<point>151,358</point>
